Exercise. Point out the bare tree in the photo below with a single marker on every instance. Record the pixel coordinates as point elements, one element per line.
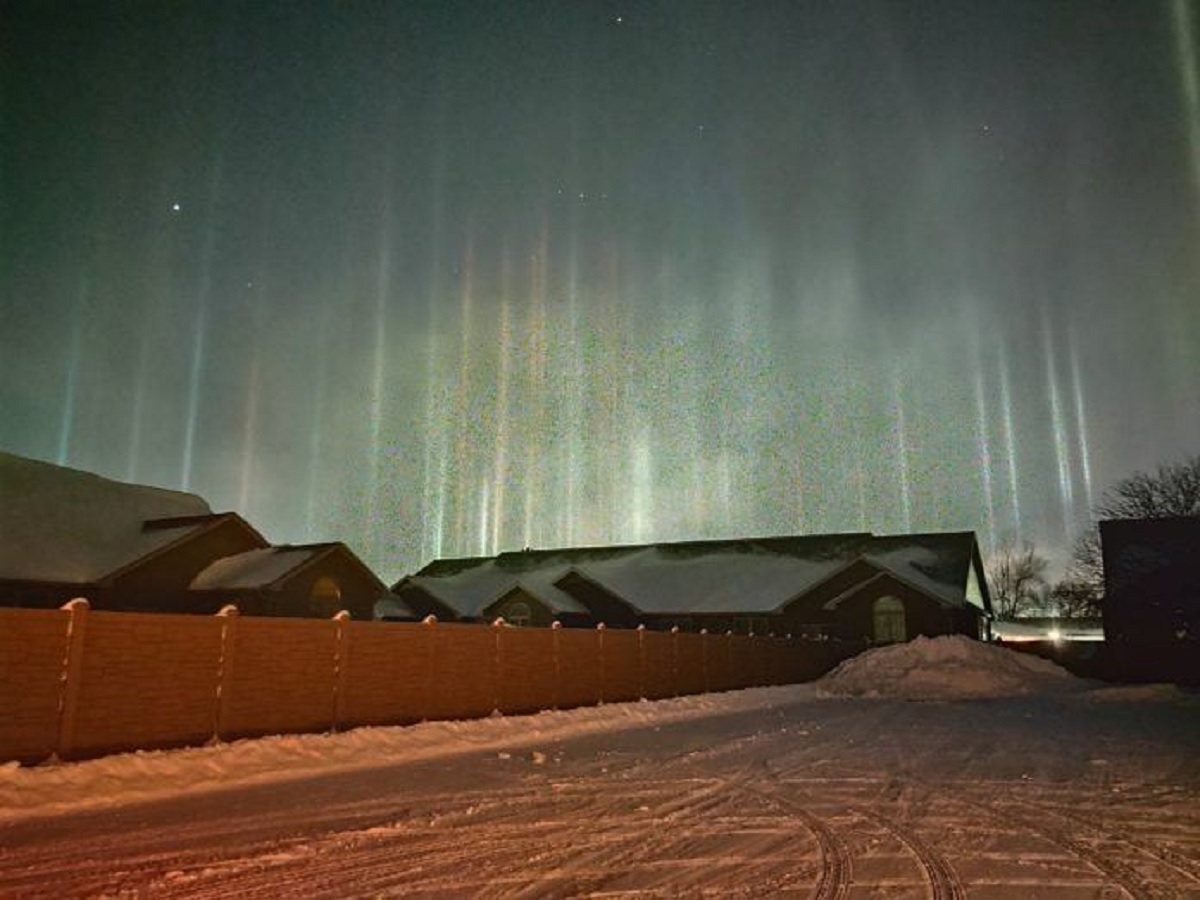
<point>1018,580</point>
<point>1170,490</point>
<point>1074,599</point>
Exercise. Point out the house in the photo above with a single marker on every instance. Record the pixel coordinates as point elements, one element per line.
<point>513,587</point>
<point>126,547</point>
<point>306,580</point>
<point>853,586</point>
<point>1152,596</point>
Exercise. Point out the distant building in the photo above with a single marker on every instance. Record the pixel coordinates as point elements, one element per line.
<point>851,586</point>
<point>1152,596</point>
<point>66,533</point>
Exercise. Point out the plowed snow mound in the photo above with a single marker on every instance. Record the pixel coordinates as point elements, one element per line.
<point>952,667</point>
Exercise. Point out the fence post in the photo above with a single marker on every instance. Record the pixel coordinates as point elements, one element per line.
<point>731,676</point>
<point>341,665</point>
<point>555,641</point>
<point>704,642</point>
<point>498,627</point>
<point>72,671</point>
<point>675,692</point>
<point>430,623</point>
<point>641,633</point>
<point>603,669</point>
<point>228,615</point>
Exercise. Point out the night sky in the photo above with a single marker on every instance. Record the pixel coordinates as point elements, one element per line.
<point>441,279</point>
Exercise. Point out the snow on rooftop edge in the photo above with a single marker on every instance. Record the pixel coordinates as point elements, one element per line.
<point>63,524</point>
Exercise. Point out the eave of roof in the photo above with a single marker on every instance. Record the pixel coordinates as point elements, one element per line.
<point>203,525</point>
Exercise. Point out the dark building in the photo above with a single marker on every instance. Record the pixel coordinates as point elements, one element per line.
<point>126,547</point>
<point>843,586</point>
<point>1152,597</point>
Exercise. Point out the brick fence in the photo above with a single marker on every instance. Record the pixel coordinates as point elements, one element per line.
<point>77,683</point>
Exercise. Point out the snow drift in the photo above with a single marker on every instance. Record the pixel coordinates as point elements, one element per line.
<point>952,667</point>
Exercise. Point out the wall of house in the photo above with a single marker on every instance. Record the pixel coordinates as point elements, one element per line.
<point>605,607</point>
<point>82,683</point>
<point>807,615</point>
<point>853,619</point>
<point>359,592</point>
<point>539,615</point>
<point>423,603</point>
<point>922,616</point>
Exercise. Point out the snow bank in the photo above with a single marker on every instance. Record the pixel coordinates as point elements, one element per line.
<point>147,775</point>
<point>951,667</point>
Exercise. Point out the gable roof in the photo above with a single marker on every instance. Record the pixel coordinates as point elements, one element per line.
<point>938,564</point>
<point>742,576</point>
<point>64,525</point>
<point>470,586</point>
<point>737,577</point>
<point>883,575</point>
<point>181,530</point>
<point>270,568</point>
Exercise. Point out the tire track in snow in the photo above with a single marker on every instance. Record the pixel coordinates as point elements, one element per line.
<point>941,877</point>
<point>446,857</point>
<point>1170,858</point>
<point>1117,871</point>
<point>836,868</point>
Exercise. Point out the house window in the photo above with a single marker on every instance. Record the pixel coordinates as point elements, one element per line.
<point>889,621</point>
<point>518,614</point>
<point>326,597</point>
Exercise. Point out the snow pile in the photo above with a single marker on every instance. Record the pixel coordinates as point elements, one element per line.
<point>952,667</point>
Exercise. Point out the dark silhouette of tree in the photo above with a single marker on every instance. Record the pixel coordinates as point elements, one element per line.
<point>1170,490</point>
<point>1073,599</point>
<point>1018,581</point>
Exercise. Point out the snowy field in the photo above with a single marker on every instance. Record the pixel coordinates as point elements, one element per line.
<point>940,769</point>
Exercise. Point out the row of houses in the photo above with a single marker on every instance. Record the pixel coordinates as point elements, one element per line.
<point>842,586</point>
<point>66,533</point>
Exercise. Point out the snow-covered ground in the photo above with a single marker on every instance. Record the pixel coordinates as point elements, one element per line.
<point>1006,778</point>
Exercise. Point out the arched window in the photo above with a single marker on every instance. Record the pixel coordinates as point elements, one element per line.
<point>889,621</point>
<point>518,614</point>
<point>325,598</point>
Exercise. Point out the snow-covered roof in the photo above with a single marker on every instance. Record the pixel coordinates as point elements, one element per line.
<point>936,564</point>
<point>271,567</point>
<point>470,589</point>
<point>747,576</point>
<point>741,579</point>
<point>64,525</point>
<point>254,568</point>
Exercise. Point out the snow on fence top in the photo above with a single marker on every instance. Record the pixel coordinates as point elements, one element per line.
<point>952,667</point>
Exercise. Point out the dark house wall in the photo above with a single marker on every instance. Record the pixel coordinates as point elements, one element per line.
<point>806,616</point>
<point>1151,579</point>
<point>853,617</point>
<point>540,615</point>
<point>42,594</point>
<point>423,603</point>
<point>204,603</point>
<point>293,597</point>
<point>604,606</point>
<point>174,568</point>
<point>1152,598</point>
<point>718,623</point>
